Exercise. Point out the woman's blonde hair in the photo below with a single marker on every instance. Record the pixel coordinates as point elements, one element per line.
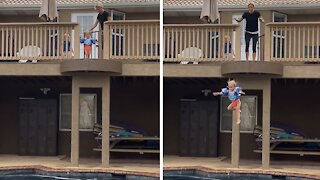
<point>250,3</point>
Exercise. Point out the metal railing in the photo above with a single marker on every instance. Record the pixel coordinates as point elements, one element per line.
<point>132,39</point>
<point>39,41</point>
<point>201,42</point>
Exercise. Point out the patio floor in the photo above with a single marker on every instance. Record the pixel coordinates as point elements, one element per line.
<point>221,164</point>
<point>61,163</point>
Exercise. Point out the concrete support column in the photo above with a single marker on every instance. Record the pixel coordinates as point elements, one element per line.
<point>235,144</point>
<point>75,122</point>
<point>90,81</point>
<point>254,83</point>
<point>266,124</point>
<point>105,121</point>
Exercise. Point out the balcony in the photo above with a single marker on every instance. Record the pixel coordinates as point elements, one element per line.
<point>292,42</point>
<point>140,40</point>
<point>38,41</point>
<point>123,40</point>
<point>282,42</point>
<point>43,43</point>
<point>283,49</point>
<point>201,43</point>
<point>132,40</point>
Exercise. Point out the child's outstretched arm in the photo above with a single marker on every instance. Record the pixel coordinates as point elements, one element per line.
<point>82,40</point>
<point>217,93</point>
<point>223,91</point>
<point>239,90</point>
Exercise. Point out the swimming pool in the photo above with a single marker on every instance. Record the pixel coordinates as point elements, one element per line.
<point>197,175</point>
<point>34,174</point>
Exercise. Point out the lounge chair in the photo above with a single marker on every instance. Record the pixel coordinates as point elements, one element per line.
<point>123,140</point>
<point>190,53</point>
<point>285,141</point>
<point>28,52</point>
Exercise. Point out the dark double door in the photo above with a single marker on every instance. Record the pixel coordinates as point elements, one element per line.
<point>38,125</point>
<point>199,127</point>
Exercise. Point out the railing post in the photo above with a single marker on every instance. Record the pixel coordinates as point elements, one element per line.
<point>238,44</point>
<point>267,43</point>
<point>77,41</point>
<point>106,41</point>
<point>100,53</point>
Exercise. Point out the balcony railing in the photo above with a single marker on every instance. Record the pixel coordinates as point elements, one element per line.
<point>140,39</point>
<point>39,41</point>
<point>201,42</point>
<point>299,41</point>
<point>132,39</point>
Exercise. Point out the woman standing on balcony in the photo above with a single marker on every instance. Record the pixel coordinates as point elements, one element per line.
<point>252,29</point>
<point>102,16</point>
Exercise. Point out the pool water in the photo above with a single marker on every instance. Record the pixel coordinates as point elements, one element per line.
<point>41,177</point>
<point>32,174</point>
<point>197,175</point>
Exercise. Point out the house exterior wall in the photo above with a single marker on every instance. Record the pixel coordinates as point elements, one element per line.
<point>293,101</point>
<point>294,70</point>
<point>304,18</point>
<point>133,103</point>
<point>294,107</point>
<point>182,20</point>
<point>142,16</point>
<point>65,15</point>
<point>10,93</point>
<point>20,18</point>
<point>53,69</point>
<point>225,16</point>
<point>171,124</point>
<point>292,110</point>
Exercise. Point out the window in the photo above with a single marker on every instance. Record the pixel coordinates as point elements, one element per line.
<point>118,34</point>
<point>248,114</point>
<point>117,15</point>
<point>88,112</point>
<point>279,36</point>
<point>279,17</point>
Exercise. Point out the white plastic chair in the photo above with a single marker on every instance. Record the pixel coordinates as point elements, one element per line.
<point>29,51</point>
<point>191,52</point>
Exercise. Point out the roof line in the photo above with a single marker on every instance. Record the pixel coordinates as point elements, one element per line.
<point>86,5</point>
<point>258,7</point>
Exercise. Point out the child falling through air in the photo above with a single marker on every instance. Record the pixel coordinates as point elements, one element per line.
<point>87,41</point>
<point>233,92</point>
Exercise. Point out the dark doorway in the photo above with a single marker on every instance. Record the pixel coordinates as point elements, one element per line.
<point>199,128</point>
<point>38,127</point>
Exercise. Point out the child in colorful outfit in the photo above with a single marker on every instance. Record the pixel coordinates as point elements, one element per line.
<point>228,51</point>
<point>66,47</point>
<point>87,41</point>
<point>233,92</point>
